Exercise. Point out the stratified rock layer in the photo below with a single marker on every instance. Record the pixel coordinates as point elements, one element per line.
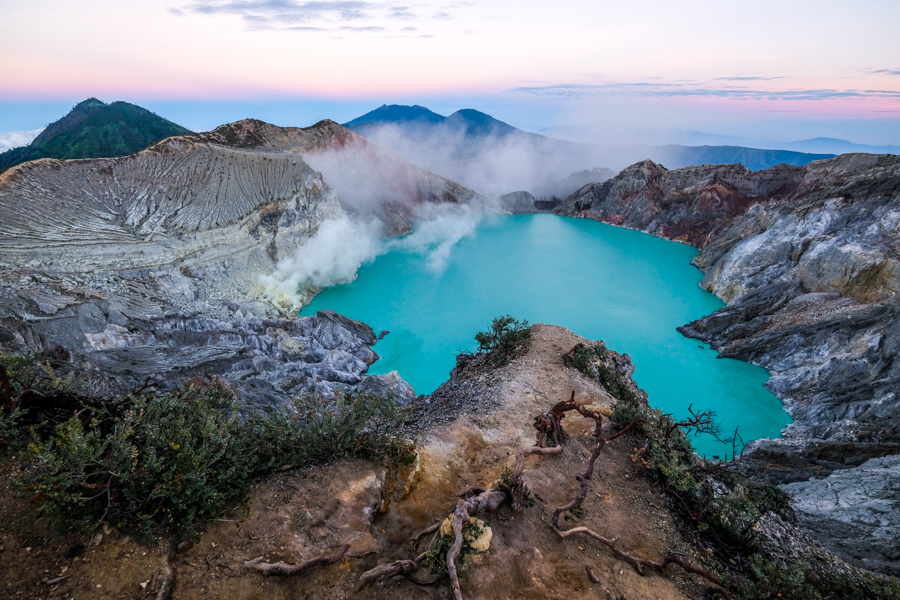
<point>857,511</point>
<point>808,260</point>
<point>150,264</point>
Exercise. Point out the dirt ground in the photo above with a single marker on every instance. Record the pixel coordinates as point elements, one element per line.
<point>295,516</point>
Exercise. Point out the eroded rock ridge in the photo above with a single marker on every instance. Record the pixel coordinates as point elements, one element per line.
<point>150,263</point>
<point>808,260</point>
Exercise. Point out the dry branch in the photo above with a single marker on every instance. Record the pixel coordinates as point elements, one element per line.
<point>286,569</point>
<point>166,586</point>
<point>551,438</point>
<point>488,501</point>
<point>524,453</point>
<point>400,567</point>
<point>460,518</point>
<point>637,563</point>
<point>415,539</point>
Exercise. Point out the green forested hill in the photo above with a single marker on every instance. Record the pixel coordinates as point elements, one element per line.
<point>95,130</point>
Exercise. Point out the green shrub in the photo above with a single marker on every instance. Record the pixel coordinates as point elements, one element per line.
<point>770,579</point>
<point>505,337</point>
<point>171,459</point>
<point>590,360</point>
<point>436,557</point>
<point>585,357</point>
<point>174,459</point>
<point>356,425</point>
<point>10,430</point>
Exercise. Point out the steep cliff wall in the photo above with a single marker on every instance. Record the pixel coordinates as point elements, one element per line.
<point>808,260</point>
<point>149,264</point>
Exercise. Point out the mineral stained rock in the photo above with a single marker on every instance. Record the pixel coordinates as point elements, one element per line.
<point>149,264</point>
<point>857,512</point>
<point>808,260</point>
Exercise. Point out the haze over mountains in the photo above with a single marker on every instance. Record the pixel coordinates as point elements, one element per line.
<point>687,137</point>
<point>494,158</point>
<point>469,147</point>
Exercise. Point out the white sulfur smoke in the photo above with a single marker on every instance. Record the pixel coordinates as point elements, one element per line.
<point>438,233</point>
<point>340,247</point>
<point>330,257</point>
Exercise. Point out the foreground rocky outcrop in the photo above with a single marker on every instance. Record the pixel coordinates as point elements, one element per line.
<point>807,260</point>
<point>479,419</point>
<point>470,431</point>
<point>150,264</point>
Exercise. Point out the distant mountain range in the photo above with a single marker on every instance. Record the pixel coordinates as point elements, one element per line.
<point>94,129</point>
<point>688,137</point>
<point>468,122</point>
<point>493,157</point>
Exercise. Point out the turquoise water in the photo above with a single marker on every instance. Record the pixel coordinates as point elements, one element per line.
<point>605,283</point>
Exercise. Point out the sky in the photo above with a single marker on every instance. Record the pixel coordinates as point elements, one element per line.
<point>758,69</point>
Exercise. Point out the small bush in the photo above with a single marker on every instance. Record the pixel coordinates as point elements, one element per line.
<point>584,359</point>
<point>9,427</point>
<point>435,558</point>
<point>800,581</point>
<point>174,459</point>
<point>591,362</point>
<point>724,508</point>
<point>505,337</point>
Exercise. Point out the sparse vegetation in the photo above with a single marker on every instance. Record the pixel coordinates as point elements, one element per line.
<point>582,357</point>
<point>723,510</point>
<point>170,460</point>
<point>435,560</point>
<point>591,361</point>
<point>504,339</point>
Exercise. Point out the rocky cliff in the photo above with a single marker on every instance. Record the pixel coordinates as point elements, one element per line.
<point>369,180</point>
<point>150,263</point>
<point>807,260</point>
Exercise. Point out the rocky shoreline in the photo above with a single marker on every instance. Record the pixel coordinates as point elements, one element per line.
<point>807,260</point>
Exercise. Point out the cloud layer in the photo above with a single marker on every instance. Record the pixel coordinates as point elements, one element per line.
<point>316,15</point>
<point>696,90</point>
<point>15,139</point>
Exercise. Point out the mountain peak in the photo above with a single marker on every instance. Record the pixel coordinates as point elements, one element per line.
<point>90,103</point>
<point>396,113</point>
<point>478,123</point>
<point>73,119</point>
<point>94,129</point>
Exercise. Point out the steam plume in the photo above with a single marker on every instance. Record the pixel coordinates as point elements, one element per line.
<point>334,254</point>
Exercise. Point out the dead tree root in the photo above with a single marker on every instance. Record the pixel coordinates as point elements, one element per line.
<point>415,539</point>
<point>551,438</point>
<point>400,567</point>
<point>166,585</point>
<point>460,518</point>
<point>286,569</point>
<point>555,415</point>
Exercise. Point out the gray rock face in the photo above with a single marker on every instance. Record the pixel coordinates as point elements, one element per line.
<point>369,180</point>
<point>857,512</point>
<point>149,265</point>
<point>517,203</point>
<point>808,260</point>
